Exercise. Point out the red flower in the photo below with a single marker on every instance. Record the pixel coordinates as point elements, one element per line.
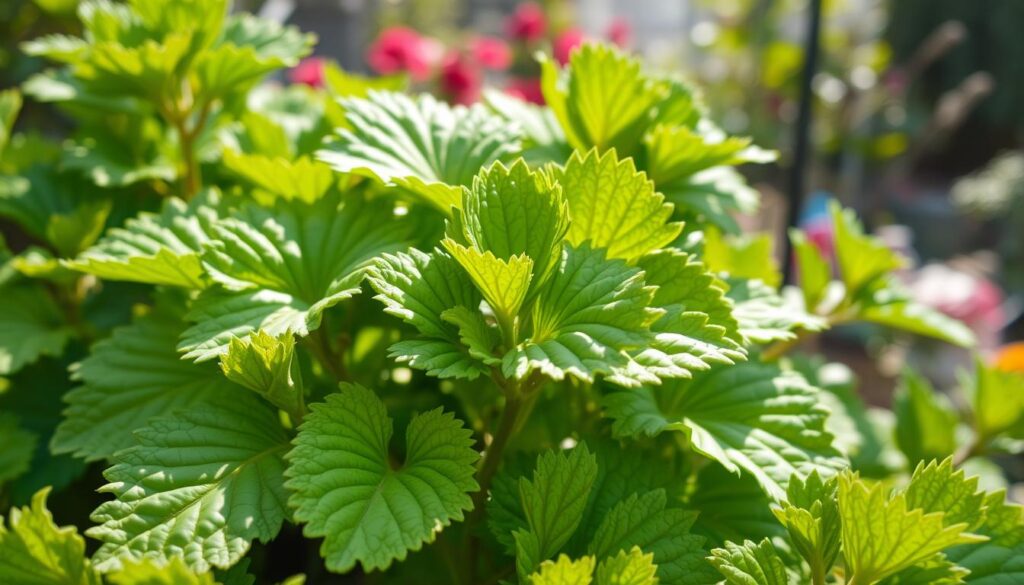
<point>620,33</point>
<point>491,53</point>
<point>309,72</point>
<point>565,43</point>
<point>527,23</point>
<point>460,79</point>
<point>526,89</point>
<point>399,49</point>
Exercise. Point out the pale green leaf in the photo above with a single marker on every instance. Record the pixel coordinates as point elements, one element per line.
<point>344,487</point>
<point>747,257</point>
<point>564,571</point>
<point>270,40</point>
<point>750,564</point>
<point>543,139</point>
<point>751,417</point>
<point>143,71</point>
<point>614,207</point>
<point>303,179</point>
<point>154,248</point>
<point>810,513</point>
<point>925,420</point>
<point>129,378</point>
<point>31,326</point>
<point>35,551</point>
<point>628,568</point>
<point>765,315</point>
<point>997,401</point>
<point>882,535</point>
<point>424,145</point>
<point>201,484</point>
<point>343,83</point>
<point>915,318</point>
<point>714,196</point>
<point>19,446</point>
<point>150,572</point>
<point>813,270</point>
<point>937,487</point>
<point>673,153</point>
<point>266,365</point>
<point>503,282</point>
<point>862,258</point>
<point>644,521</point>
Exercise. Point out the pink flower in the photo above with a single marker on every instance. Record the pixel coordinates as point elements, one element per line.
<point>399,49</point>
<point>460,79</point>
<point>565,43</point>
<point>491,53</point>
<point>527,23</point>
<point>309,71</point>
<point>526,89</point>
<point>620,33</point>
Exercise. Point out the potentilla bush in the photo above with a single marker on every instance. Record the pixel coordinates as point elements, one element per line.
<point>498,343</point>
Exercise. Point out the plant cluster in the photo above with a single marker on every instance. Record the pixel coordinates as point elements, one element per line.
<point>497,343</point>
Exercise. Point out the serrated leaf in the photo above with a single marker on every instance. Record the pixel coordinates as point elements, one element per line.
<point>586,319</point>
<point>750,564</point>
<point>281,268</point>
<point>564,571</point>
<point>31,326</point>
<point>731,507</point>
<point>421,144</point>
<point>714,196</point>
<point>937,487</point>
<point>751,417</point>
<point>344,488</point>
<point>270,40</point>
<point>673,153</point>
<point>1000,561</point>
<point>614,207</point>
<point>644,521</point>
<point>475,333</point>
<point>765,315</point>
<point>925,420</point>
<point>201,484</point>
<point>419,288</point>
<point>628,568</point>
<point>861,258</point>
<point>553,502</point>
<point>142,71</point>
<point>35,551</point>
<point>814,271</point>
<point>810,513</point>
<point>747,257</point>
<point>543,139</point>
<point>303,179</point>
<point>882,535</point>
<point>936,570</point>
<point>130,377</point>
<point>149,572</point>
<point>153,248</point>
<point>19,446</point>
<point>265,365</point>
<point>504,283</point>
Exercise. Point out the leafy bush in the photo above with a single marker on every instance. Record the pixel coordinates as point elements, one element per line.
<point>590,367</point>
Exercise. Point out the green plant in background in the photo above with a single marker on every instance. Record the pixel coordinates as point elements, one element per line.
<point>470,345</point>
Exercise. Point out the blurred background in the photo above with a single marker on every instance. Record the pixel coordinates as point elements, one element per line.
<point>917,117</point>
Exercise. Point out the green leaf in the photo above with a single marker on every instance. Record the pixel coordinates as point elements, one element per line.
<point>751,417</point>
<point>19,446</point>
<point>200,484</point>
<point>997,401</point>
<point>937,487</point>
<point>1000,561</point>
<point>303,179</point>
<point>731,507</point>
<point>915,318</point>
<point>10,105</point>
<point>935,570</point>
<point>554,500</point>
<point>429,148</point>
<point>266,365</point>
<point>564,571</point>
<point>343,83</point>
<point>503,283</point>
<point>149,572</point>
<point>810,513</point>
<point>614,207</point>
<point>345,489</point>
<point>747,257</point>
<point>714,196</point>
<point>925,420</point>
<point>269,40</point>
<point>644,521</point>
<point>35,551</point>
<point>31,326</point>
<point>420,288</point>
<point>815,272</point>
<point>154,248</point>
<point>130,377</point>
<point>143,71</point>
<point>750,564</point>
<point>543,139</point>
<point>281,268</point>
<point>628,568</point>
<point>861,258</point>
<point>673,153</point>
<point>883,535</point>
<point>591,313</point>
<point>765,315</point>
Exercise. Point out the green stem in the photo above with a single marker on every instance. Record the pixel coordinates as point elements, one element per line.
<point>321,350</point>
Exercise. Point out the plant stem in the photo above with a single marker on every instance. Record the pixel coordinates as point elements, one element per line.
<point>321,350</point>
<point>974,448</point>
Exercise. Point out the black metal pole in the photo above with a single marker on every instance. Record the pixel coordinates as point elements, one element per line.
<point>802,134</point>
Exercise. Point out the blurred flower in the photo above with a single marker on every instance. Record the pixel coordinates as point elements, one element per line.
<point>527,23</point>
<point>620,33</point>
<point>460,79</point>
<point>1010,358</point>
<point>309,71</point>
<point>527,89</point>
<point>565,43</point>
<point>491,53</point>
<point>399,49</point>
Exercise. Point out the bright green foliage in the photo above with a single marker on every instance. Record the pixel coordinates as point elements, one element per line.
<point>30,327</point>
<point>861,258</point>
<point>810,513</point>
<point>676,152</point>
<point>425,146</point>
<point>752,418</point>
<point>10,105</point>
<point>266,365</point>
<point>997,402</point>
<point>344,487</point>
<point>628,568</point>
<point>750,564</point>
<point>269,281</point>
<point>149,572</point>
<point>503,283</point>
<point>925,420</point>
<point>1000,560</point>
<point>303,179</point>
<point>564,571</point>
<point>748,257</point>
<point>19,445</point>
<point>764,315</point>
<point>815,272</point>
<point>937,487</point>
<point>614,207</point>
<point>882,535</point>
<point>35,551</point>
<point>191,487</point>
<point>543,138</point>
